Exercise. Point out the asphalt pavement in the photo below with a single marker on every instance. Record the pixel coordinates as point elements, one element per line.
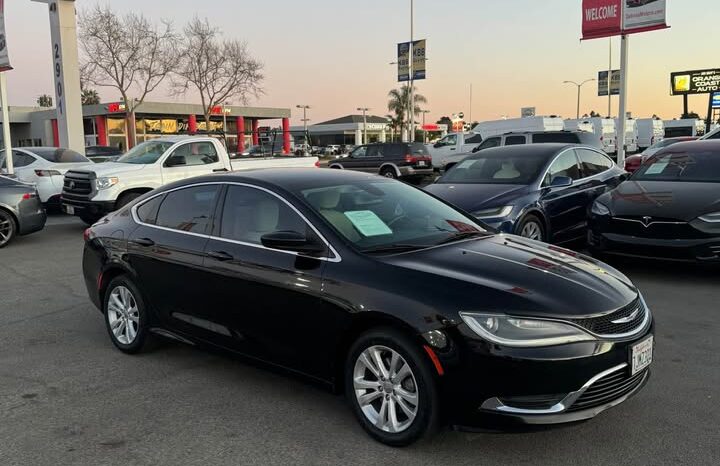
<point>67,396</point>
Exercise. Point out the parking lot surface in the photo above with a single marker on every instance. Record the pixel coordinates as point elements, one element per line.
<point>67,396</point>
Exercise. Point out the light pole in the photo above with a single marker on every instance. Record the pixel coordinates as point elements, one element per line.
<point>225,110</point>
<point>364,110</point>
<point>578,92</point>
<point>305,120</point>
<point>424,112</point>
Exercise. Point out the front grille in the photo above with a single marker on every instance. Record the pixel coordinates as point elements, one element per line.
<point>604,325</point>
<point>78,184</point>
<point>656,228</point>
<point>609,388</point>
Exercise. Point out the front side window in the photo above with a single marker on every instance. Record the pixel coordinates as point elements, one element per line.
<point>250,213</point>
<point>593,163</point>
<point>145,153</point>
<point>194,153</point>
<point>377,214</point>
<point>505,169</point>
<point>565,165</point>
<point>188,209</point>
<point>702,167</point>
<point>359,152</point>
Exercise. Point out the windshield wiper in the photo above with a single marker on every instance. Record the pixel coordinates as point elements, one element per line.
<point>397,247</point>
<point>461,235</point>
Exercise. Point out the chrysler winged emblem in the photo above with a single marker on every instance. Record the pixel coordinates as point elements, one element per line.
<point>627,319</point>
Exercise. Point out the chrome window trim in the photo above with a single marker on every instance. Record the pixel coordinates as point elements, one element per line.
<point>579,180</point>
<point>494,404</point>
<point>336,256</point>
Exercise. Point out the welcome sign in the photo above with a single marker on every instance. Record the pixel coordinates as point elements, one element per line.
<point>4,58</point>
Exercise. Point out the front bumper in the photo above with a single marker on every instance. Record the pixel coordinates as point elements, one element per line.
<point>489,385</point>
<point>87,207</point>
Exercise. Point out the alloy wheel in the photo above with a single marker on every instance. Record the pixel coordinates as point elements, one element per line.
<point>7,228</point>
<point>123,315</point>
<point>386,389</point>
<point>531,230</point>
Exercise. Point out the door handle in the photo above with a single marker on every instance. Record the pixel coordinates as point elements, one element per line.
<point>144,242</point>
<point>220,255</point>
<point>452,148</point>
<point>220,170</point>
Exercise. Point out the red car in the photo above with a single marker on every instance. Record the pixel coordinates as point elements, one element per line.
<point>633,162</point>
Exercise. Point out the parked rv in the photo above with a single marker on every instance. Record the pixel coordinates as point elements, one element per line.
<point>518,125</point>
<point>631,134</point>
<point>604,128</point>
<point>684,127</point>
<point>649,131</point>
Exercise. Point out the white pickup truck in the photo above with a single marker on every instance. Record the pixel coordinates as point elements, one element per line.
<point>93,192</point>
<point>453,143</point>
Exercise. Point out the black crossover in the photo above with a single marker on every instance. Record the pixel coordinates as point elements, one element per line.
<point>669,208</point>
<point>419,313</point>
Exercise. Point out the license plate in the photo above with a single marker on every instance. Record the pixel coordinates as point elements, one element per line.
<point>421,163</point>
<point>641,355</point>
<point>70,210</point>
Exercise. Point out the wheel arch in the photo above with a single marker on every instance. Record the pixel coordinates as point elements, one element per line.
<point>537,212</point>
<point>109,273</point>
<point>139,191</point>
<point>13,216</point>
<point>336,165</point>
<point>390,165</point>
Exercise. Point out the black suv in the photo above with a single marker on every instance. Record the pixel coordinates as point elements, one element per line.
<point>392,160</point>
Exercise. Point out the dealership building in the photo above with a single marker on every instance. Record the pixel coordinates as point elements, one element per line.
<point>347,130</point>
<point>106,124</point>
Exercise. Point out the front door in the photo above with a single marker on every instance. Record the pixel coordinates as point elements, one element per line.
<point>565,206</point>
<point>193,158</point>
<point>268,299</point>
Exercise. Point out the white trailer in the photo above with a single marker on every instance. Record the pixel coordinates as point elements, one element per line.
<point>685,127</point>
<point>518,125</point>
<point>650,131</point>
<point>631,134</point>
<point>604,128</point>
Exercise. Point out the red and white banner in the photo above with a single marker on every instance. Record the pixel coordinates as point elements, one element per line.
<point>4,59</point>
<point>605,18</point>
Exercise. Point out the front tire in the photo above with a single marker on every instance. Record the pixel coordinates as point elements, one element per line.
<point>390,384</point>
<point>532,227</point>
<point>126,316</point>
<point>8,228</point>
<point>126,199</point>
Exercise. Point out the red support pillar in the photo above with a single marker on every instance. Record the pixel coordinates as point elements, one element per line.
<point>101,130</point>
<point>192,124</point>
<point>56,133</point>
<point>255,133</point>
<point>286,135</point>
<point>240,122</point>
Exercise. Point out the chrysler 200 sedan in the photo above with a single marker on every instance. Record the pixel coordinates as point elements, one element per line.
<point>418,312</point>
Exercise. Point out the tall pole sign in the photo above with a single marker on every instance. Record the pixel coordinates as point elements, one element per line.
<point>66,71</point>
<point>5,66</point>
<point>607,18</point>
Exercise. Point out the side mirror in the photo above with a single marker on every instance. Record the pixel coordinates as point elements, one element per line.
<point>291,241</point>
<point>561,182</point>
<point>175,160</point>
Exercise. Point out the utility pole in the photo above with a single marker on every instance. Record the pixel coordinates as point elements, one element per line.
<point>609,113</point>
<point>305,119</point>
<point>578,93</point>
<point>364,110</point>
<point>6,123</point>
<point>424,112</point>
<point>623,99</point>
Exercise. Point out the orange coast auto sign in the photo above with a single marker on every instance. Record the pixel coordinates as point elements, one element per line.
<point>605,18</point>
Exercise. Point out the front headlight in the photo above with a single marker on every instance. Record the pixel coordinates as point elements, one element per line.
<point>494,212</point>
<point>598,208</point>
<point>521,332</point>
<point>106,182</point>
<point>711,218</point>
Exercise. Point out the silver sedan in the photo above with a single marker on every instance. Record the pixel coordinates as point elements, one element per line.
<point>21,211</point>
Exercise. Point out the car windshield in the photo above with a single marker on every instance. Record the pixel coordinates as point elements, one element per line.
<point>145,153</point>
<point>379,216</point>
<point>505,169</point>
<point>664,143</point>
<point>701,167</point>
<point>55,155</point>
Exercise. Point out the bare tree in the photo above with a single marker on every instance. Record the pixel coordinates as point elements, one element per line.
<point>217,69</point>
<point>127,53</point>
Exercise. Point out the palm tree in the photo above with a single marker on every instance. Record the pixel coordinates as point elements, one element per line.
<point>89,97</point>
<point>399,102</point>
<point>45,101</point>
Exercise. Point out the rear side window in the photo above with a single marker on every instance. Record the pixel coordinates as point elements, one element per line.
<point>565,165</point>
<point>419,149</point>
<point>514,140</point>
<point>395,151</point>
<point>544,138</point>
<point>60,155</point>
<point>592,162</point>
<point>188,209</point>
<point>375,151</point>
<point>147,212</point>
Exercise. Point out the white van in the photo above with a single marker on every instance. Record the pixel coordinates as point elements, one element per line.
<point>685,127</point>
<point>604,128</point>
<point>631,135</point>
<point>518,125</point>
<point>649,131</point>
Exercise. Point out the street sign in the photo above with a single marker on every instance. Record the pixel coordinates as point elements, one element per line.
<point>4,58</point>
<point>716,100</point>
<point>606,18</point>
<point>603,83</point>
<point>695,82</point>
<point>527,112</point>
<point>403,60</point>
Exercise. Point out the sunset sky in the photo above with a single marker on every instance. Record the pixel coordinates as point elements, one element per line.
<point>334,55</point>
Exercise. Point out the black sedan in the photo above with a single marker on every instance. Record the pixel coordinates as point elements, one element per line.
<point>418,312</point>
<point>539,191</point>
<point>669,208</point>
<point>21,211</point>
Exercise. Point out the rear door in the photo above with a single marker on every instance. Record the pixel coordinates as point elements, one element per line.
<point>192,158</point>
<point>597,175</point>
<point>167,252</point>
<point>564,206</point>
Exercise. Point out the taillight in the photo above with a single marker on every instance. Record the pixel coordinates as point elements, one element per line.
<point>410,159</point>
<point>47,173</point>
<point>317,164</point>
<point>28,196</point>
<point>88,234</point>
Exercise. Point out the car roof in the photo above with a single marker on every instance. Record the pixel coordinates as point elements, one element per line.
<point>537,150</point>
<point>698,145</point>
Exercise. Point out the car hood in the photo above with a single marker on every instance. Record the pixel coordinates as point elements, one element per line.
<point>472,197</point>
<point>663,199</point>
<point>114,168</point>
<point>514,275</point>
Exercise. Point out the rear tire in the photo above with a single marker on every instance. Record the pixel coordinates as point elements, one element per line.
<point>397,405</point>
<point>127,317</point>
<point>531,227</point>
<point>389,172</point>
<point>8,228</point>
